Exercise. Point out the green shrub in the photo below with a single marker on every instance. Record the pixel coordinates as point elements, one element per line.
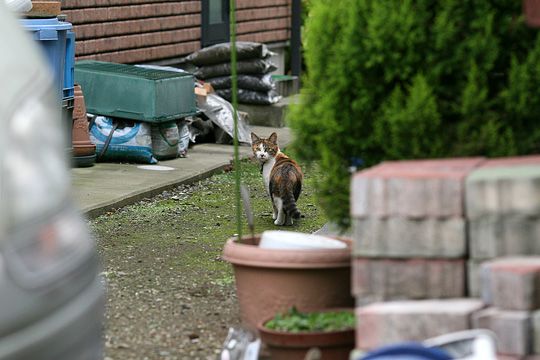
<point>413,79</point>
<point>406,123</point>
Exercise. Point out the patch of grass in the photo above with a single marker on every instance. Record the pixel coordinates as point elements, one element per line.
<point>224,281</point>
<point>187,229</point>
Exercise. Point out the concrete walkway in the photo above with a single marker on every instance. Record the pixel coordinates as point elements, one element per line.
<point>106,186</point>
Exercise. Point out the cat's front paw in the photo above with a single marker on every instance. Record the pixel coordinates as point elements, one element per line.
<point>279,223</point>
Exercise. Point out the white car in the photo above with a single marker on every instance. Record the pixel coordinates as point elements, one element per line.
<point>51,296</point>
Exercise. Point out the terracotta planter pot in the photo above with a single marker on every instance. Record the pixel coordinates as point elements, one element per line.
<point>82,147</point>
<point>334,345</point>
<point>270,281</point>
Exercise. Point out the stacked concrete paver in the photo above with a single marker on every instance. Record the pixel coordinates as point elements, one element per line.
<point>503,212</point>
<point>384,323</point>
<point>511,285</point>
<point>409,230</point>
<point>418,223</point>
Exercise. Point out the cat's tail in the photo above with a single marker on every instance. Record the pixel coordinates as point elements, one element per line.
<point>289,205</point>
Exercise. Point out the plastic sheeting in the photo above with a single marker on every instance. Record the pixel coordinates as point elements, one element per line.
<point>220,112</point>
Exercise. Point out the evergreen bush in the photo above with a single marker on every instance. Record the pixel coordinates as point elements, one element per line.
<point>413,79</point>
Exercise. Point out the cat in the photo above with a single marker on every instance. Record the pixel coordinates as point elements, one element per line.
<point>282,178</point>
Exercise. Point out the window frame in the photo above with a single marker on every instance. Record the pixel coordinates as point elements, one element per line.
<point>212,34</point>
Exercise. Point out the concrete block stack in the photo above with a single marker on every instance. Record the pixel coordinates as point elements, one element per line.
<point>503,212</point>
<point>511,286</point>
<point>409,230</point>
<point>417,224</point>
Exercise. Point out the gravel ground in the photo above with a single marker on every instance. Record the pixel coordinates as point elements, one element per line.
<point>170,295</point>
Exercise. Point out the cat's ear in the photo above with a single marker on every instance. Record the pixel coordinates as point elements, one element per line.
<point>273,138</point>
<point>254,137</point>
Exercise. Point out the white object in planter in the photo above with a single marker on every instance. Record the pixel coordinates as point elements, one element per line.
<point>19,5</point>
<point>278,239</point>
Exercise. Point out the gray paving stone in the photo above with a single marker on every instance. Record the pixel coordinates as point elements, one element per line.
<point>512,328</point>
<point>503,235</point>
<point>413,188</point>
<point>414,320</point>
<point>513,283</point>
<point>268,115</point>
<point>390,279</point>
<point>416,198</point>
<point>503,190</point>
<point>476,276</point>
<point>536,331</point>
<point>405,238</point>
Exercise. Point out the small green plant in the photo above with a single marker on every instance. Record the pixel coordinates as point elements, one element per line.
<point>295,321</point>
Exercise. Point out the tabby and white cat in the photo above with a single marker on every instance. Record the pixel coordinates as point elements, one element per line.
<point>282,178</point>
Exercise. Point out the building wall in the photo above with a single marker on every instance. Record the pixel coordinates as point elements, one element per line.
<point>136,31</point>
<point>263,20</point>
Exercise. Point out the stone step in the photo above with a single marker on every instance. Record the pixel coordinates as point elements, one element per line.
<point>268,115</point>
<point>385,323</point>
<point>415,189</point>
<point>389,279</point>
<point>513,329</point>
<point>511,283</point>
<point>404,237</point>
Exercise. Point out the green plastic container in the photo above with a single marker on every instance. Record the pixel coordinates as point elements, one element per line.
<point>135,93</point>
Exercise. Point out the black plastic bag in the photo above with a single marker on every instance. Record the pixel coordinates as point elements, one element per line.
<point>251,97</point>
<point>254,66</point>
<point>248,82</point>
<point>221,53</point>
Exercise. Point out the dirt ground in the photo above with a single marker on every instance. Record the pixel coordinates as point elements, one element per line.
<point>170,295</point>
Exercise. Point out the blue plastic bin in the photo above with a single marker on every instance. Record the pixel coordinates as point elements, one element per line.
<point>58,43</point>
<point>69,69</point>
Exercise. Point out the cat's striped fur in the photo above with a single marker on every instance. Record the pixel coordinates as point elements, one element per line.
<point>282,178</point>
